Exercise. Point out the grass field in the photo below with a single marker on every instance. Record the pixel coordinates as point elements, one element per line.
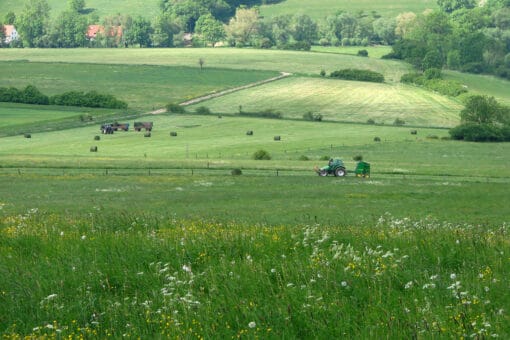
<point>323,8</point>
<point>143,87</point>
<point>222,58</point>
<point>482,84</point>
<point>152,237</point>
<point>148,9</point>
<point>373,51</point>
<point>339,100</point>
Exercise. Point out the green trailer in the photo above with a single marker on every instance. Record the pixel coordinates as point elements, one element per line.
<point>362,169</point>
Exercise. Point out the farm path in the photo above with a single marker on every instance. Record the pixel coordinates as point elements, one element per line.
<point>225,92</point>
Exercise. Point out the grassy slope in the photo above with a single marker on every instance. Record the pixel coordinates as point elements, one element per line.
<point>320,9</point>
<point>225,58</point>
<point>222,143</point>
<point>146,8</point>
<point>141,86</point>
<point>344,101</point>
<point>482,84</point>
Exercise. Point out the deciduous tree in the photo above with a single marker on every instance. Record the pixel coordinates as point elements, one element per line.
<point>32,24</point>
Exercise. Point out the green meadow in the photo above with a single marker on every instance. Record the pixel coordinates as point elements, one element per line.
<point>323,8</point>
<point>154,237</point>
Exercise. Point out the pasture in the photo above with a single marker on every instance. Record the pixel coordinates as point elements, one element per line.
<point>323,8</point>
<point>153,237</point>
<point>101,8</point>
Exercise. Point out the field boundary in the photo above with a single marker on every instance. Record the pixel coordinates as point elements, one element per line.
<point>228,91</point>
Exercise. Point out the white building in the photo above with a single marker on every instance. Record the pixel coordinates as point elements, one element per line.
<point>10,33</point>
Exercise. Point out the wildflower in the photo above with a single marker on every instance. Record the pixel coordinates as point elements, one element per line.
<point>408,285</point>
<point>273,270</point>
<point>344,284</point>
<point>453,276</point>
<point>186,268</point>
<point>252,324</point>
<point>434,277</point>
<point>83,237</point>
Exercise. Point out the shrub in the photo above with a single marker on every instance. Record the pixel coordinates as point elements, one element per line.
<point>399,122</point>
<point>236,172</point>
<point>358,75</point>
<point>296,46</point>
<point>323,73</point>
<point>88,99</point>
<point>377,139</point>
<point>432,73</point>
<point>474,132</point>
<point>363,53</point>
<point>261,155</point>
<point>31,95</point>
<point>175,108</point>
<point>414,132</point>
<point>432,137</point>
<point>267,113</point>
<point>27,135</point>
<point>370,121</point>
<point>312,117</point>
<point>202,110</point>
<point>412,78</point>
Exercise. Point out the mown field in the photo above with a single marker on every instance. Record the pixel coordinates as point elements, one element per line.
<point>153,237</point>
<point>323,8</point>
<point>338,100</point>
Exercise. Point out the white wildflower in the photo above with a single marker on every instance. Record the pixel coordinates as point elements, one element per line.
<point>186,268</point>
<point>83,237</point>
<point>273,270</point>
<point>344,284</point>
<point>252,324</point>
<point>408,285</point>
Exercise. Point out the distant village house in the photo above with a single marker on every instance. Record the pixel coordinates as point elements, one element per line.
<point>113,32</point>
<point>10,33</point>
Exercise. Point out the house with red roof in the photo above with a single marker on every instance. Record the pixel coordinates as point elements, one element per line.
<point>10,33</point>
<point>113,31</point>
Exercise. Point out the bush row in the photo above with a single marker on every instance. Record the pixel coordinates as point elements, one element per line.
<point>432,81</point>
<point>359,75</point>
<point>267,113</point>
<point>31,95</point>
<point>474,132</point>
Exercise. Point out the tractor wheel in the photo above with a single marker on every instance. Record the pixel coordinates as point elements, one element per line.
<point>340,172</point>
<point>323,173</point>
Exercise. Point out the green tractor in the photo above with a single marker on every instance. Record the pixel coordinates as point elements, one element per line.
<point>335,167</point>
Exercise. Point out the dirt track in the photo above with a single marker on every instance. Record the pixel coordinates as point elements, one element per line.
<point>225,92</point>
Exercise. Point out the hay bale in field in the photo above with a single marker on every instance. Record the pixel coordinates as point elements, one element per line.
<point>93,149</point>
<point>277,138</point>
<point>249,133</point>
<point>377,139</point>
<point>173,134</point>
<point>27,135</point>
<point>414,132</point>
<point>97,138</point>
<point>147,134</point>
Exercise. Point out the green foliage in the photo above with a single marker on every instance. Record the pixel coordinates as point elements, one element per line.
<point>202,110</point>
<point>68,30</point>
<point>399,122</point>
<point>29,95</point>
<point>315,117</point>
<point>261,155</point>
<point>175,108</point>
<point>267,113</point>
<point>210,29</point>
<point>432,73</point>
<point>363,53</point>
<point>77,5</point>
<point>140,32</point>
<point>476,132</point>
<point>88,99</point>
<point>33,23</point>
<point>431,79</point>
<point>483,109</point>
<point>236,172</point>
<point>358,75</point>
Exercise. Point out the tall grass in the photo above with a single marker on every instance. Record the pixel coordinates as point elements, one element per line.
<point>142,276</point>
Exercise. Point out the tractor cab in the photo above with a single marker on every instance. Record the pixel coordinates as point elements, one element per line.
<point>335,167</point>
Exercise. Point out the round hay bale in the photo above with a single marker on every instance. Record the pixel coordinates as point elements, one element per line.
<point>93,149</point>
<point>277,138</point>
<point>414,132</point>
<point>27,135</point>
<point>377,139</point>
<point>173,134</point>
<point>147,134</point>
<point>249,133</point>
<point>97,138</point>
